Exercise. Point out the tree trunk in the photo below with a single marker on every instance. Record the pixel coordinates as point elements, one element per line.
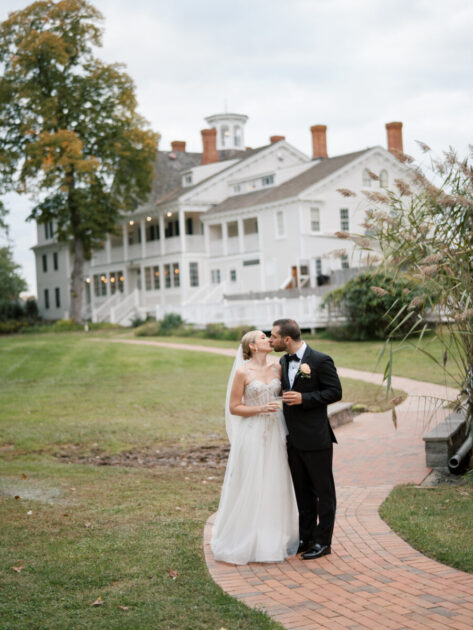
<point>77,281</point>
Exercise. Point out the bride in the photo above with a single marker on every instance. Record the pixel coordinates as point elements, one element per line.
<point>257,519</point>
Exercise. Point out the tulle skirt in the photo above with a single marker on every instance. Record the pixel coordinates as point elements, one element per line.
<point>257,518</point>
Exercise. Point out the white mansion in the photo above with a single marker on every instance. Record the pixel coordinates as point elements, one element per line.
<point>232,234</point>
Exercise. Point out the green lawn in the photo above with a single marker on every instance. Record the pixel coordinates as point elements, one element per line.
<point>59,389</point>
<point>436,521</point>
<point>364,355</point>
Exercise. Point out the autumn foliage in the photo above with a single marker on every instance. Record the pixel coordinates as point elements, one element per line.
<point>71,136</point>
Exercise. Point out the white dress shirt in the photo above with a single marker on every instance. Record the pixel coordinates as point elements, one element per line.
<point>295,365</point>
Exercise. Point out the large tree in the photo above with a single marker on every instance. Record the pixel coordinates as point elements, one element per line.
<point>70,135</point>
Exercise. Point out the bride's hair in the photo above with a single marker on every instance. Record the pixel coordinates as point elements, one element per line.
<point>248,338</point>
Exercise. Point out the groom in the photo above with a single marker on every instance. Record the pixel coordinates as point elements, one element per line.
<point>310,383</point>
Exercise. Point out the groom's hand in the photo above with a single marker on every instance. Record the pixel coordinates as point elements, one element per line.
<point>292,398</point>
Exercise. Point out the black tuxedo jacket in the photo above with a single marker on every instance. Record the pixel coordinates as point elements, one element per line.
<point>308,424</point>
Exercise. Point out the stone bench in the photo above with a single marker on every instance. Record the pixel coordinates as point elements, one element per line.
<point>444,440</point>
<point>340,413</point>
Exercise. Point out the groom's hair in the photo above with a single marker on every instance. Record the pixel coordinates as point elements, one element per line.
<point>288,328</point>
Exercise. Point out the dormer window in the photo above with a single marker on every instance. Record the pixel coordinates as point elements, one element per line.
<point>383,178</point>
<point>267,180</point>
<point>236,188</point>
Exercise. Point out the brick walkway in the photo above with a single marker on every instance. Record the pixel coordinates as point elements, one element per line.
<point>373,580</point>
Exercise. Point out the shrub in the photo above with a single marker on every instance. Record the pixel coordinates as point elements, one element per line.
<point>367,300</point>
<point>137,321</point>
<point>235,334</point>
<point>148,329</point>
<point>31,309</point>
<point>11,326</point>
<point>171,321</point>
<point>215,331</point>
<point>66,325</point>
<point>11,310</point>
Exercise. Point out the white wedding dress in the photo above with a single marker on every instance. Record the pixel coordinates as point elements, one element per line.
<point>257,519</point>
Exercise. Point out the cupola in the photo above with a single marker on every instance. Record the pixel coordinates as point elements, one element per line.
<point>230,130</point>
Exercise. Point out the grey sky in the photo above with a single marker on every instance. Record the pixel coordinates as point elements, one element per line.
<point>350,64</point>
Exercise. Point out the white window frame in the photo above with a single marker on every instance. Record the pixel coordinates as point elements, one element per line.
<point>316,221</point>
<point>344,220</point>
<point>267,180</point>
<point>193,274</point>
<point>280,224</point>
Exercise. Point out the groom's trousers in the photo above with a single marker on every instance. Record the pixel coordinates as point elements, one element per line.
<point>315,493</point>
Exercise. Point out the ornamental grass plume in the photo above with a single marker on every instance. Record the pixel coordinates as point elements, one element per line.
<point>345,192</point>
<point>372,175</point>
<point>424,147</point>
<point>416,302</point>
<point>337,253</point>
<point>429,270</point>
<point>361,241</point>
<point>463,317</point>
<point>424,228</point>
<point>379,291</point>
<point>432,259</point>
<point>376,196</point>
<point>404,158</point>
<point>403,187</point>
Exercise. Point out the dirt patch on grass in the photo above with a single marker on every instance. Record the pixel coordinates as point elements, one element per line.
<point>214,456</point>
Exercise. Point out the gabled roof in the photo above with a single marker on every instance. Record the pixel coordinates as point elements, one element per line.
<point>290,188</point>
<point>168,182</point>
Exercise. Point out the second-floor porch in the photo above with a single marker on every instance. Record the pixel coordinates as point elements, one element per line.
<point>170,233</point>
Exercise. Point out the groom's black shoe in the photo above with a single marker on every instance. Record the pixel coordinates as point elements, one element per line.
<point>304,546</point>
<point>317,551</point>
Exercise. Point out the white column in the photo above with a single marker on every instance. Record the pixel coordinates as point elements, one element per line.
<point>225,238</point>
<point>125,242</point>
<point>143,238</point>
<point>108,249</point>
<point>182,230</point>
<point>207,238</point>
<point>161,233</point>
<point>241,239</point>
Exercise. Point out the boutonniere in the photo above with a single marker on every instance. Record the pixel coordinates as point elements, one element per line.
<point>304,370</point>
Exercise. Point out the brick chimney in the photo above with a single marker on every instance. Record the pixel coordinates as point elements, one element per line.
<point>274,139</point>
<point>178,146</point>
<point>319,141</point>
<point>394,131</point>
<point>209,142</point>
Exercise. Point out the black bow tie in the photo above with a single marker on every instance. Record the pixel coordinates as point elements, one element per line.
<point>292,357</point>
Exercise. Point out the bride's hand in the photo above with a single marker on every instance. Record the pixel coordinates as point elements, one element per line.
<point>270,407</point>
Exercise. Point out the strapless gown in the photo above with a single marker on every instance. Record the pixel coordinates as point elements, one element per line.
<point>257,518</point>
